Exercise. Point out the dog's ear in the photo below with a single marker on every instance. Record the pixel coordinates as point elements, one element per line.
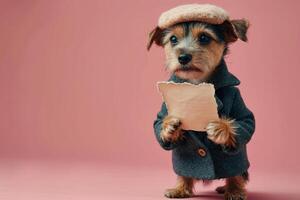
<point>241,27</point>
<point>156,36</point>
<point>235,29</point>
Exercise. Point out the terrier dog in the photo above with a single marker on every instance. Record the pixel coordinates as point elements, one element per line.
<point>194,51</point>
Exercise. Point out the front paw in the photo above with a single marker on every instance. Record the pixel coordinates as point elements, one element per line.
<point>171,129</point>
<point>222,132</point>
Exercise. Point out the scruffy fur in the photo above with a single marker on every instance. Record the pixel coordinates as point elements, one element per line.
<point>171,130</point>
<point>206,45</point>
<point>222,132</point>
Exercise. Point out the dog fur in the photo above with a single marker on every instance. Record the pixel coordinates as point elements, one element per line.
<point>185,38</point>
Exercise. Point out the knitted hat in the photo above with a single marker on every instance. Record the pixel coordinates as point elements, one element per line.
<point>193,12</point>
<point>202,13</point>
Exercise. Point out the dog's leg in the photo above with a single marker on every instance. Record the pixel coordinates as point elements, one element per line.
<point>235,188</point>
<point>221,189</point>
<point>183,189</point>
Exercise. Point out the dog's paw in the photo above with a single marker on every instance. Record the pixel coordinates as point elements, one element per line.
<point>235,196</point>
<point>222,132</point>
<point>178,193</point>
<point>171,129</point>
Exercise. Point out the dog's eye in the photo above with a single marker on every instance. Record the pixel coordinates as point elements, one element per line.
<point>204,39</point>
<point>173,39</point>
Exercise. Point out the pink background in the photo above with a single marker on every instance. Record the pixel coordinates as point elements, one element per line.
<point>78,86</point>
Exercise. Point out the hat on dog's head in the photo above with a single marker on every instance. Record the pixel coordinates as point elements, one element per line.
<point>193,12</point>
<point>207,13</point>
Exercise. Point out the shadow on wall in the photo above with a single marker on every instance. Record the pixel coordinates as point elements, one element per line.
<point>251,196</point>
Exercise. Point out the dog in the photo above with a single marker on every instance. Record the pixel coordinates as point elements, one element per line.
<point>195,50</point>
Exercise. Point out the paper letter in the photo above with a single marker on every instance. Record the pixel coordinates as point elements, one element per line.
<point>194,105</point>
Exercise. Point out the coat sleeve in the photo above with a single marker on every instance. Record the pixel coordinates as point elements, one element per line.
<point>157,125</point>
<point>244,123</point>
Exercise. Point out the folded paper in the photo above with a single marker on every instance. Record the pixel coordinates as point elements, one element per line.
<point>194,105</point>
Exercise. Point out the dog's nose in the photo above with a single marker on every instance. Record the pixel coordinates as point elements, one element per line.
<point>184,58</point>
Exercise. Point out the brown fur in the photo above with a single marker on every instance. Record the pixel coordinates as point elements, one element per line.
<point>178,31</point>
<point>155,36</point>
<point>205,57</point>
<point>183,189</point>
<point>222,132</point>
<point>171,129</point>
<point>241,26</point>
<point>197,30</point>
<point>234,189</point>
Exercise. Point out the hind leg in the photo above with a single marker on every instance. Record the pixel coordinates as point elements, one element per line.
<point>183,189</point>
<point>235,188</point>
<point>222,189</point>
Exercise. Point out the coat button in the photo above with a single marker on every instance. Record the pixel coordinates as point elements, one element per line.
<point>201,152</point>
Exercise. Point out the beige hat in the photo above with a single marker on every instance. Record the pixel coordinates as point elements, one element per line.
<point>193,12</point>
<point>234,29</point>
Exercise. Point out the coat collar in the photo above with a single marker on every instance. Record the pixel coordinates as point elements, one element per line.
<point>220,78</point>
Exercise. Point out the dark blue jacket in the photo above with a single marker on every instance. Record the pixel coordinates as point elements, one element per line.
<point>198,157</point>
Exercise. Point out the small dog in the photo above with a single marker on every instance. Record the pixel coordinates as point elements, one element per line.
<point>194,51</point>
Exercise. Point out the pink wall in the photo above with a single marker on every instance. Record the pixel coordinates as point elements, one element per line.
<point>77,83</point>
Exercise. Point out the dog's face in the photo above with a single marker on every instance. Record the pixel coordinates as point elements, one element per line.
<point>194,49</point>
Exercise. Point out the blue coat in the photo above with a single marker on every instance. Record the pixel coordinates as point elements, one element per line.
<point>198,157</point>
